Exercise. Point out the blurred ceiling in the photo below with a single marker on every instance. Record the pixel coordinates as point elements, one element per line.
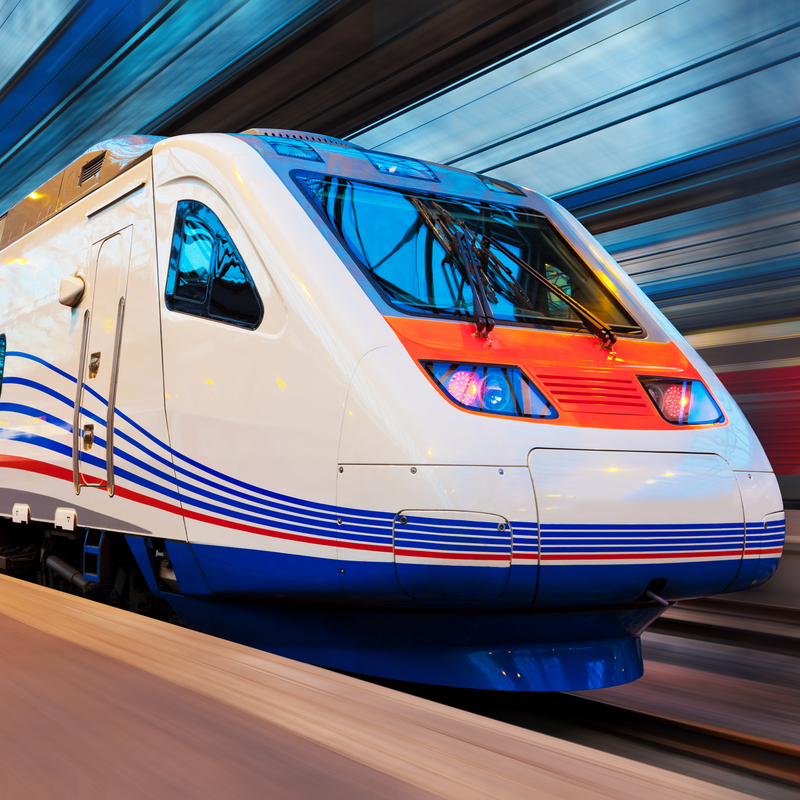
<point>75,72</point>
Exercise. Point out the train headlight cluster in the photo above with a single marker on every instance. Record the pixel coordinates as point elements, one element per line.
<point>490,389</point>
<point>684,402</point>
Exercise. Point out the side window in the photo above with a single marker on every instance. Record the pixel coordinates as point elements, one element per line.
<point>2,359</point>
<point>207,276</point>
<point>194,261</point>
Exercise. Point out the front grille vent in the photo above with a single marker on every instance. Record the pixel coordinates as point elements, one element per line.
<point>597,393</point>
<point>91,168</point>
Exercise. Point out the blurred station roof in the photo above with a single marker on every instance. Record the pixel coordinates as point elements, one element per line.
<point>650,108</point>
<point>74,72</point>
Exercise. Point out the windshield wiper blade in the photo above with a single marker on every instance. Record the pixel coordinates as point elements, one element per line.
<point>484,318</point>
<point>458,236</point>
<point>455,241</point>
<point>593,324</point>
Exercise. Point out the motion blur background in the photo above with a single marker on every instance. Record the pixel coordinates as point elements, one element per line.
<point>670,128</point>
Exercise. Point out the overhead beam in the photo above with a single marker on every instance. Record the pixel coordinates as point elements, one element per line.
<point>366,59</point>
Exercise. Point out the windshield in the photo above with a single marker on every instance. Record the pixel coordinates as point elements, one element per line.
<point>392,236</point>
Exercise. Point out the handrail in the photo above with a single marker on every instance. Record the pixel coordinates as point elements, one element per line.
<point>76,414</point>
<point>112,399</point>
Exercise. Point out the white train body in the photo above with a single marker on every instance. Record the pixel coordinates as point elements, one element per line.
<point>314,488</point>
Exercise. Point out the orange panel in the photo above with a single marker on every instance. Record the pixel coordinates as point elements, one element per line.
<point>590,387</point>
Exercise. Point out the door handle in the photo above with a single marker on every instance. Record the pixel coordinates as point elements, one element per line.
<point>88,436</point>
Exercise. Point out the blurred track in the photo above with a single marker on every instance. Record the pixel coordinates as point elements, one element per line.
<point>125,705</point>
<point>725,712</point>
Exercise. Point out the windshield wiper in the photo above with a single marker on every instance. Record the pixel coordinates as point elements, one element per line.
<point>455,241</point>
<point>592,323</point>
<point>456,236</point>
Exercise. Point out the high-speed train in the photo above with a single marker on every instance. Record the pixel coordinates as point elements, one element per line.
<point>372,413</point>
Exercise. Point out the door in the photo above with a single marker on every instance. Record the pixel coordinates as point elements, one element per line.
<point>93,430</point>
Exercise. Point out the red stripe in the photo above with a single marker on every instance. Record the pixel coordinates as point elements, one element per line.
<point>31,465</point>
<point>608,556</point>
<point>44,468</point>
<point>463,556</point>
<point>53,471</point>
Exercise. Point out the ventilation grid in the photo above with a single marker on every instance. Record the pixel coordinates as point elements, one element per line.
<point>306,137</point>
<point>598,394</point>
<point>91,168</point>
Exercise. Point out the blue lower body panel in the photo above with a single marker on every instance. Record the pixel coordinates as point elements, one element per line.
<point>480,645</point>
<point>532,652</point>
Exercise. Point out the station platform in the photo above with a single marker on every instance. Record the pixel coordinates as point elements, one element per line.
<point>99,702</point>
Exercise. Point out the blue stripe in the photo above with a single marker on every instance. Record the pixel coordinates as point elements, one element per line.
<point>16,408</point>
<point>39,387</point>
<point>379,515</point>
<point>452,548</point>
<point>38,441</point>
<point>319,520</point>
<point>643,526</point>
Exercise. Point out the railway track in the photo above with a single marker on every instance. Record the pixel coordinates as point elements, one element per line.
<point>569,717</point>
<point>769,628</point>
<point>661,737</point>
<point>764,758</point>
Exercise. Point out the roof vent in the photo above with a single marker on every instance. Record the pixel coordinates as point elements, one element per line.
<point>91,168</point>
<point>306,137</point>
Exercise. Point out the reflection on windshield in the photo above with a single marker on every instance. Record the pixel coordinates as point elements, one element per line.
<point>385,231</point>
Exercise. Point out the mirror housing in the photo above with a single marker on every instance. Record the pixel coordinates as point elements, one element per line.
<point>71,292</point>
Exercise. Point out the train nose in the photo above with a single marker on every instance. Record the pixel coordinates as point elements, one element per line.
<point>615,523</point>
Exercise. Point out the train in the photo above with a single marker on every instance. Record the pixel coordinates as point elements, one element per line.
<point>360,410</point>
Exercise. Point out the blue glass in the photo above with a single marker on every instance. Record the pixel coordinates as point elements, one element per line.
<point>207,276</point>
<point>294,149</point>
<point>194,264</point>
<point>703,409</point>
<point>385,231</point>
<point>490,389</point>
<point>685,402</point>
<point>496,185</point>
<point>401,167</point>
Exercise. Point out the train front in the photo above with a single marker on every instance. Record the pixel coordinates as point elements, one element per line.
<point>544,460</point>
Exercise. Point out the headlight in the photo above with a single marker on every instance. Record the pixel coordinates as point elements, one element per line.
<point>490,389</point>
<point>683,402</point>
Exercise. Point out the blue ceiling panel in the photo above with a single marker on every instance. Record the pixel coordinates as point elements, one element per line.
<point>111,67</point>
<point>640,85</point>
<point>24,27</point>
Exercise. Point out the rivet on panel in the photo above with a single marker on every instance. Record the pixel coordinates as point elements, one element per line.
<point>341,469</point>
<point>501,472</point>
<point>413,470</point>
<point>339,521</point>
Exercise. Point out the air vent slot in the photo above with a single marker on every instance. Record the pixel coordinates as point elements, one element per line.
<point>305,137</point>
<point>91,168</point>
<point>599,394</point>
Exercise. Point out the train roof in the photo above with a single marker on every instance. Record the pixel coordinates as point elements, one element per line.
<point>108,159</point>
<point>97,166</point>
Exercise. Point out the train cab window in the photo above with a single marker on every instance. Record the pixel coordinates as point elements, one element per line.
<point>427,252</point>
<point>2,358</point>
<point>207,276</point>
